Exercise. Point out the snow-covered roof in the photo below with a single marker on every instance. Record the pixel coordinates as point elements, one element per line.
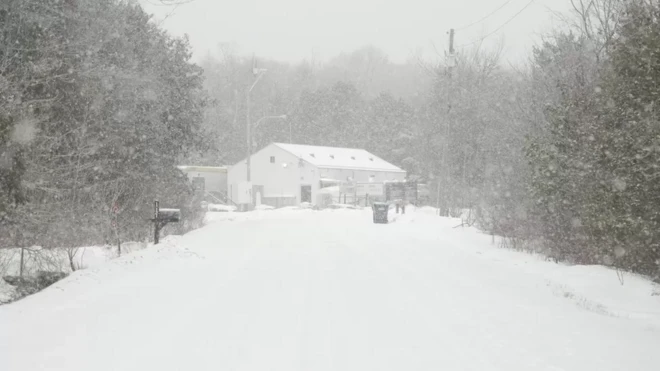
<point>203,169</point>
<point>339,158</point>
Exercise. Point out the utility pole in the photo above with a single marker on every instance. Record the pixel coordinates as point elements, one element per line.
<point>247,135</point>
<point>447,169</point>
<point>258,73</point>
<point>451,41</point>
<point>248,138</point>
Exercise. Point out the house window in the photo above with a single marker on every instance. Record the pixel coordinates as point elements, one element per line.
<point>272,159</point>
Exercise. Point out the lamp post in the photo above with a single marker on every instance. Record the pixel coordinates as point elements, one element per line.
<point>258,72</point>
<point>281,117</point>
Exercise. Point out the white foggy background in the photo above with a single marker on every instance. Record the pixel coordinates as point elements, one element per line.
<point>295,30</point>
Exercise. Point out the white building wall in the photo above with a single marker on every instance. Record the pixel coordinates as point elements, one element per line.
<point>309,175</point>
<point>362,175</point>
<point>279,179</point>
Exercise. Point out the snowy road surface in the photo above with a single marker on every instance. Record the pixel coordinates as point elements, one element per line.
<point>305,290</point>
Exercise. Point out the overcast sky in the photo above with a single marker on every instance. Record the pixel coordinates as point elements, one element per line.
<point>293,30</point>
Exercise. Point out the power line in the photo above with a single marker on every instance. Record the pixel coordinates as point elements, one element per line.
<point>486,17</point>
<point>498,28</point>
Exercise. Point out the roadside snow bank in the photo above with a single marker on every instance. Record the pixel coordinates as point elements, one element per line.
<point>55,260</point>
<point>593,288</point>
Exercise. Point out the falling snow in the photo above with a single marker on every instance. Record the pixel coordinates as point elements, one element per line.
<point>531,237</point>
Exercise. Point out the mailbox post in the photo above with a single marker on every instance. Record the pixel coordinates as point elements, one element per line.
<point>162,217</point>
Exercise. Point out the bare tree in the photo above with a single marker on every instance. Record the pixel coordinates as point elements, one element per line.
<point>596,20</point>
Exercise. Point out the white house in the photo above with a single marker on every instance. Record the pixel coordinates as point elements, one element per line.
<point>288,174</point>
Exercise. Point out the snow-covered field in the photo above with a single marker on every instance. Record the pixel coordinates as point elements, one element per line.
<point>329,290</point>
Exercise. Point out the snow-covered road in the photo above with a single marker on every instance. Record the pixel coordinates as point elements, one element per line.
<point>306,290</point>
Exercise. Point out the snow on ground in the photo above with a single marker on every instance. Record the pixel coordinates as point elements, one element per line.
<point>55,260</point>
<point>221,208</point>
<point>329,290</point>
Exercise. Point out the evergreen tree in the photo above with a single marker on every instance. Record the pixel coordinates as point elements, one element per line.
<point>630,154</point>
<point>112,105</point>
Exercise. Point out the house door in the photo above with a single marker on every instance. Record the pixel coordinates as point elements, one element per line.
<point>306,193</point>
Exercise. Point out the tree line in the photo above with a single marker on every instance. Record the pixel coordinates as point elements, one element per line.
<point>559,155</point>
<point>97,107</point>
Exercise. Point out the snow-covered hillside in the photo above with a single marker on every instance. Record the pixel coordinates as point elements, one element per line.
<point>330,290</point>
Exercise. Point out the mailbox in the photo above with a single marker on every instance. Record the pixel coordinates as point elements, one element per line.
<point>162,217</point>
<point>169,215</point>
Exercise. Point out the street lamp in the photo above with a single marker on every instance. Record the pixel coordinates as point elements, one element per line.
<point>258,72</point>
<point>281,117</point>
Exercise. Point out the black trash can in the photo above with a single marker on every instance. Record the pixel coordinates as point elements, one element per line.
<point>380,210</point>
